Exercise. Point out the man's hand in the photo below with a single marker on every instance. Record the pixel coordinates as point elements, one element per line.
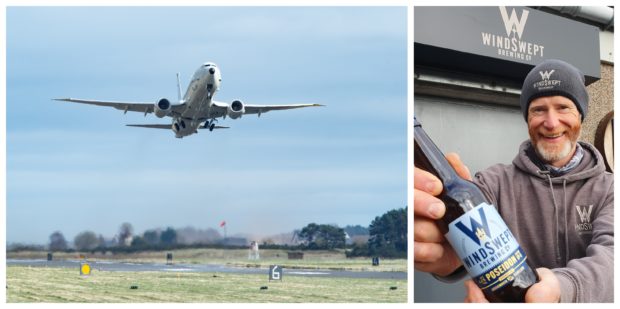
<point>547,290</point>
<point>432,253</point>
<point>474,293</point>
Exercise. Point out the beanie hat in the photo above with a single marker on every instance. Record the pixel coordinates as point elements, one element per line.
<point>555,77</point>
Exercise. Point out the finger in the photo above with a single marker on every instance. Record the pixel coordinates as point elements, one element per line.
<point>426,230</point>
<point>547,290</point>
<point>458,165</point>
<point>427,182</point>
<point>474,293</point>
<point>439,259</point>
<point>434,268</point>
<point>426,205</point>
<point>425,252</point>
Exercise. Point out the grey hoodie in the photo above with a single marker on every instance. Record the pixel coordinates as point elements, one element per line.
<point>567,226</point>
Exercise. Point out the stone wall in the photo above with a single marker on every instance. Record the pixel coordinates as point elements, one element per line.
<point>601,102</point>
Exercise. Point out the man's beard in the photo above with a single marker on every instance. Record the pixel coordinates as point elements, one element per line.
<point>553,155</point>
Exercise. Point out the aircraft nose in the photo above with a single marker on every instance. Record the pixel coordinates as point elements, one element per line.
<point>212,71</point>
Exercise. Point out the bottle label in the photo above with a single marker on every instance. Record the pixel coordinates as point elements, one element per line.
<point>489,251</point>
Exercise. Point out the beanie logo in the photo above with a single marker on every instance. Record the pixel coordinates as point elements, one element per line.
<point>546,74</point>
<point>546,81</point>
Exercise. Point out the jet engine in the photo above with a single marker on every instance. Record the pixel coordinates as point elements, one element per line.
<point>236,109</point>
<point>163,108</point>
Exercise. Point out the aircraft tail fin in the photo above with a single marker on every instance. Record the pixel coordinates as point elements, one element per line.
<point>179,87</point>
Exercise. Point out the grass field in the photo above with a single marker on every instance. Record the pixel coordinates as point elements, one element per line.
<point>333,260</point>
<point>42,284</point>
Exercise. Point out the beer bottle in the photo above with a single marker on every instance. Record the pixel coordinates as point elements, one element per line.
<point>475,230</point>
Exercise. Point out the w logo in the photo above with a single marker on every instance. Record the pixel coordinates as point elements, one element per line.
<point>546,74</point>
<point>584,214</point>
<point>478,230</point>
<point>513,23</point>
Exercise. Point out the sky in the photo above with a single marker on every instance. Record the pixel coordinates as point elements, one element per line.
<point>73,167</point>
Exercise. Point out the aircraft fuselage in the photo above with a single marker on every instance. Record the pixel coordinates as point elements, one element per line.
<point>198,99</point>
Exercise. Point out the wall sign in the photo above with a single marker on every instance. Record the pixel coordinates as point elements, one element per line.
<point>504,40</point>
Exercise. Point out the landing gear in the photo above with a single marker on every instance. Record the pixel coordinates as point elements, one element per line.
<point>210,124</point>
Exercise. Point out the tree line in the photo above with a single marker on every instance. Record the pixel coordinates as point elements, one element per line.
<point>89,241</point>
<point>386,237</point>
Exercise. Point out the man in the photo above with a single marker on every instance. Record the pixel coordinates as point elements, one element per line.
<point>555,197</point>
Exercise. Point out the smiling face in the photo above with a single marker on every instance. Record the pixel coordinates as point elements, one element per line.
<point>554,125</point>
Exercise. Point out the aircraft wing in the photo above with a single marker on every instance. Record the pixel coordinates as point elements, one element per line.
<point>260,109</point>
<point>141,107</point>
<point>219,109</point>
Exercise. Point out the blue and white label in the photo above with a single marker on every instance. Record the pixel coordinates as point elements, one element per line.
<point>489,251</point>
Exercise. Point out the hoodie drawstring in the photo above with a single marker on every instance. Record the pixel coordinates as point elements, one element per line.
<point>567,254</point>
<point>556,210</point>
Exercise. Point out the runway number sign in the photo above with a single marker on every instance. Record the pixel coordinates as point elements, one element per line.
<point>275,272</point>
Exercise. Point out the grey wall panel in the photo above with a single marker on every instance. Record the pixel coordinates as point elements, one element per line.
<point>481,134</point>
<point>427,289</point>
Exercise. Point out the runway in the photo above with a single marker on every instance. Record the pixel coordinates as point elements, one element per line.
<point>132,267</point>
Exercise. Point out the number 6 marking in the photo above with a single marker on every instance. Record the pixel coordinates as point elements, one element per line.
<point>275,275</point>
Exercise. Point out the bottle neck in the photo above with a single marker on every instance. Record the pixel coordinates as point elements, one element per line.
<point>436,162</point>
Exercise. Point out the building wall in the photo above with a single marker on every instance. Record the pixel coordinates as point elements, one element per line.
<point>601,102</point>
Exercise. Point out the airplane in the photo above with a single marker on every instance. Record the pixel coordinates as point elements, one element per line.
<point>196,109</point>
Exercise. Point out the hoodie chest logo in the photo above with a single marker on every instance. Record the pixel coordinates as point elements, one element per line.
<point>585,216</point>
